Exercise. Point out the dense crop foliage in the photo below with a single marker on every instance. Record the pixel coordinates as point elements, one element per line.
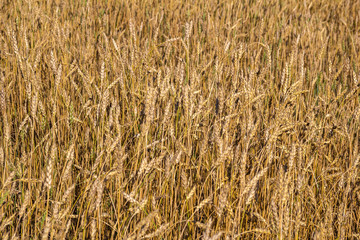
<point>173,119</point>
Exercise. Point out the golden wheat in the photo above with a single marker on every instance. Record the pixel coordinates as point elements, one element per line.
<point>179,119</point>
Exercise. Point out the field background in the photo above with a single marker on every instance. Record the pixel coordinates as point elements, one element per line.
<point>178,119</point>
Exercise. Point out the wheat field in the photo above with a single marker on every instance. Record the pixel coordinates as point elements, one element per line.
<point>172,119</point>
